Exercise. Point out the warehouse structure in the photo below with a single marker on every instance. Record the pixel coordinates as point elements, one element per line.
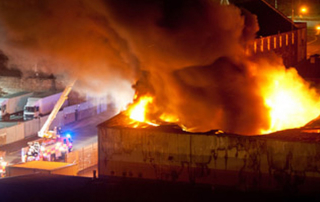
<point>286,159</point>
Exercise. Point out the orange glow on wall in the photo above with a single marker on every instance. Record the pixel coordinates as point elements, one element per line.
<point>292,38</point>
<point>255,47</point>
<point>280,41</point>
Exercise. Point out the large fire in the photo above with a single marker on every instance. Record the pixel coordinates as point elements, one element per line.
<point>193,51</point>
<point>138,111</point>
<point>290,100</point>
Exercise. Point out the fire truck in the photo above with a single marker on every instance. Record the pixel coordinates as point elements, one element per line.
<point>47,149</point>
<point>52,145</point>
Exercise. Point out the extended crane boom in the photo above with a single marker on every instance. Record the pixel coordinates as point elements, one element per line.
<point>44,132</point>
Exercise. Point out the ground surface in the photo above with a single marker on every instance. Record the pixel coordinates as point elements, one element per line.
<point>84,132</point>
<point>41,187</point>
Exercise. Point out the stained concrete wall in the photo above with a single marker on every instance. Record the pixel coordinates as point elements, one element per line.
<point>217,159</point>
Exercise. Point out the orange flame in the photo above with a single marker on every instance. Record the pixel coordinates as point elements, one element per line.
<point>138,111</point>
<point>170,118</point>
<point>291,101</point>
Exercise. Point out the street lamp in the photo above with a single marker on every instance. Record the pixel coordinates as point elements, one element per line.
<point>303,10</point>
<point>318,29</point>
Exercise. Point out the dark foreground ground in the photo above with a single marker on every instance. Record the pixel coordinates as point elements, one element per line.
<point>42,187</point>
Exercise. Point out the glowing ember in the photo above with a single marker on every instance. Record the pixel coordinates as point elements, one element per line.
<point>291,101</point>
<point>171,118</point>
<point>138,111</point>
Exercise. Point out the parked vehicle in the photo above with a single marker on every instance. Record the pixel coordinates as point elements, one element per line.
<point>41,104</point>
<point>13,104</point>
<point>52,144</point>
<point>47,149</point>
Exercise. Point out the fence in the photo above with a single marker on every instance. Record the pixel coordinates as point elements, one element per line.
<point>30,128</point>
<point>84,157</point>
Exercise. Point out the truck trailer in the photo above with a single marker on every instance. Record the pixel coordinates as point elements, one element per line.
<point>41,103</point>
<point>13,104</point>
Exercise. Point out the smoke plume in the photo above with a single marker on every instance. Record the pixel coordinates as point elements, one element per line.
<point>190,54</point>
<point>194,53</point>
<point>70,39</point>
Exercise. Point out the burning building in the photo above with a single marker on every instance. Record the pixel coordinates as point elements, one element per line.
<point>190,65</point>
<point>282,160</point>
<point>190,56</point>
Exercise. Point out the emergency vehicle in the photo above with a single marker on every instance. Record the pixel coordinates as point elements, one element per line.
<point>51,145</point>
<point>47,149</point>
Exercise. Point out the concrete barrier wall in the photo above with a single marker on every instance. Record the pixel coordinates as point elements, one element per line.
<point>101,108</point>
<point>70,109</point>
<point>86,113</point>
<point>58,121</point>
<point>3,136</point>
<point>15,133</point>
<point>30,128</point>
<point>69,118</point>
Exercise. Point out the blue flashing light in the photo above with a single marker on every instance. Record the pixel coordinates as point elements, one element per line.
<point>68,135</point>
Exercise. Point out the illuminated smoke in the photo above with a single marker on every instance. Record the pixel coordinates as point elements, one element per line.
<point>193,52</point>
<point>70,39</point>
<point>189,54</point>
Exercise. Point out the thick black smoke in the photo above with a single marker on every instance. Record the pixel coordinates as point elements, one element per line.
<point>228,98</point>
<point>193,51</point>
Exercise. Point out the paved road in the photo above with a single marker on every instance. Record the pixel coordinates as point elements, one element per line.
<point>313,46</point>
<point>313,40</point>
<point>84,133</point>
